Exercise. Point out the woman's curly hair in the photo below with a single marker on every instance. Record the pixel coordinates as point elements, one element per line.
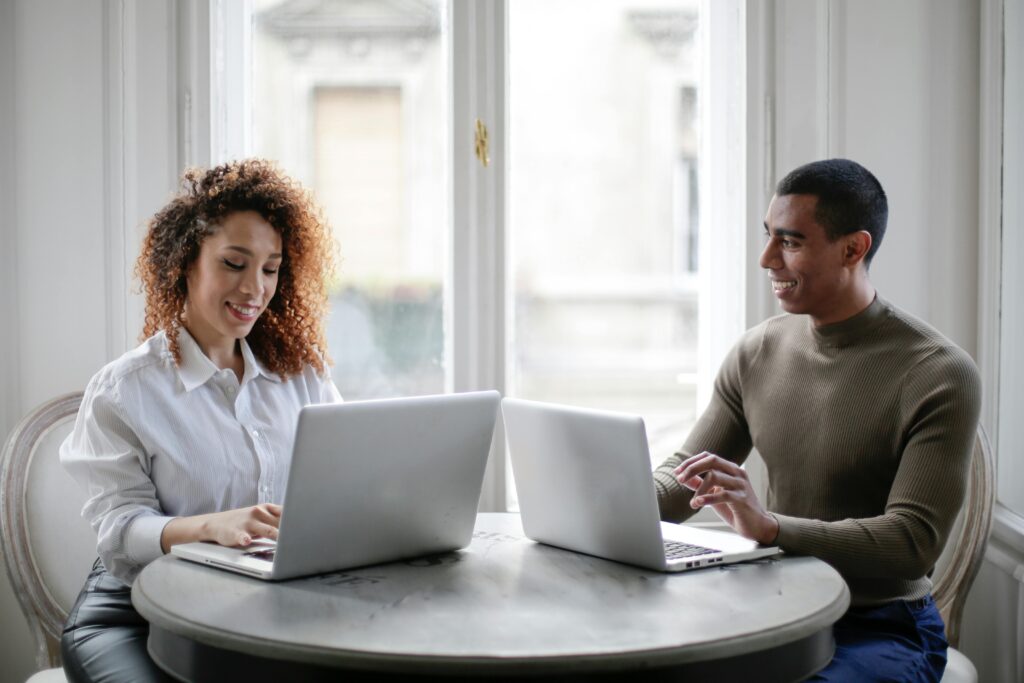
<point>290,332</point>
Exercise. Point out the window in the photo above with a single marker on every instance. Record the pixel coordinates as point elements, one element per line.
<point>604,208</point>
<point>352,99</point>
<point>574,267</point>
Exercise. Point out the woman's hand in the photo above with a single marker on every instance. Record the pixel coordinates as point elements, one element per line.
<point>232,527</point>
<point>724,486</point>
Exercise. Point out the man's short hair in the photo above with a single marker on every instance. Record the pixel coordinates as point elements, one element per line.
<point>850,198</point>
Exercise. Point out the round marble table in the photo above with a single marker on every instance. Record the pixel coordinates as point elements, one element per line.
<point>505,606</point>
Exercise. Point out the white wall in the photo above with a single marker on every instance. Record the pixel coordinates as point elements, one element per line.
<point>56,320</point>
<point>892,85</point>
<point>88,150</point>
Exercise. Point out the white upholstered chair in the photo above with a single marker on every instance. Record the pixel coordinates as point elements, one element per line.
<point>965,550</point>
<point>47,546</point>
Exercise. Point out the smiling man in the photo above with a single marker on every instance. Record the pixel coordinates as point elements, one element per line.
<point>864,415</point>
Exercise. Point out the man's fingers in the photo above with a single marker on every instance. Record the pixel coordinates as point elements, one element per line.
<point>715,479</point>
<point>692,484</point>
<point>695,466</point>
<point>705,462</point>
<point>719,495</point>
<point>714,483</point>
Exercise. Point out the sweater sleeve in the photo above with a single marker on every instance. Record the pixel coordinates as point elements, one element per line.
<point>722,430</point>
<point>939,406</point>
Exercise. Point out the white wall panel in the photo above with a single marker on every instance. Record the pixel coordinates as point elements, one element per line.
<point>60,211</point>
<point>9,393</point>
<point>908,90</point>
<point>894,87</point>
<point>801,84</point>
<point>882,92</point>
<point>16,645</point>
<point>88,131</point>
<point>56,235</point>
<point>993,625</point>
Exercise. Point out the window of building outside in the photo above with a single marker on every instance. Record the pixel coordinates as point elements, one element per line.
<point>603,207</point>
<point>353,98</point>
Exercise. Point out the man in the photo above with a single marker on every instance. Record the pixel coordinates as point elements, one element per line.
<point>864,415</point>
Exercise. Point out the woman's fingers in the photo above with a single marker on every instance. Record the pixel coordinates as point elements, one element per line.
<point>239,527</point>
<point>267,531</point>
<point>267,514</point>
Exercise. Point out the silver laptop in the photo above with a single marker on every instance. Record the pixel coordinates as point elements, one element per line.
<point>371,482</point>
<point>584,483</point>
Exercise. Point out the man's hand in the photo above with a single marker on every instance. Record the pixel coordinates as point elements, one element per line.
<point>232,527</point>
<point>725,487</point>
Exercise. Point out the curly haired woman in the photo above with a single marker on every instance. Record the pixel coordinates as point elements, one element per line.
<point>188,437</point>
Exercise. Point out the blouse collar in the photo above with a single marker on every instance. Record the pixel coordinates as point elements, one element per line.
<point>196,368</point>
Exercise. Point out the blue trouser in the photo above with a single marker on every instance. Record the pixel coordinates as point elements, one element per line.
<point>899,641</point>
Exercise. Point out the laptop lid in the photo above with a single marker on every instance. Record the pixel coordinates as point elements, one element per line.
<point>584,480</point>
<point>381,480</point>
<point>374,481</point>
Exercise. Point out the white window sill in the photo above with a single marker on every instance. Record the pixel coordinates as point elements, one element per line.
<point>1006,546</point>
<point>1008,528</point>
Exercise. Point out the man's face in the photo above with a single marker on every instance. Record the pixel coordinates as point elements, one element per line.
<point>809,273</point>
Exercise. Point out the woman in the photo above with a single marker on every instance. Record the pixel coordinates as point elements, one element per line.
<point>188,437</point>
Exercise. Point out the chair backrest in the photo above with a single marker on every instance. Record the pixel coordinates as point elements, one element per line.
<point>962,557</point>
<point>48,546</point>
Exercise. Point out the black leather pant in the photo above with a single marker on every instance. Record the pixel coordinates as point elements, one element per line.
<point>105,638</point>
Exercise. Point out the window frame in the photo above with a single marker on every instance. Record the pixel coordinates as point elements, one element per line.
<point>216,37</point>
<point>995,290</point>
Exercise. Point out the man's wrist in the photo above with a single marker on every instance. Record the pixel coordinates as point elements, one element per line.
<point>770,531</point>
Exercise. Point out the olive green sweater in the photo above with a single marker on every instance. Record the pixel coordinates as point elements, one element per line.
<point>866,427</point>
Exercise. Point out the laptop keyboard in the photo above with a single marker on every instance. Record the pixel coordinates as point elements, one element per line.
<point>674,550</point>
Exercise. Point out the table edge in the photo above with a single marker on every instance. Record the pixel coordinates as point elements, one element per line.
<point>450,664</point>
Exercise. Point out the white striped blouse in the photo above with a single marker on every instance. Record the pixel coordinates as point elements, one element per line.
<point>154,441</point>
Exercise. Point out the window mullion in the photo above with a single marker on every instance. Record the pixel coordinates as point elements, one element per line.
<point>475,310</point>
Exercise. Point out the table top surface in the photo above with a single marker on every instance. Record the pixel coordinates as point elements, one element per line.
<point>504,597</point>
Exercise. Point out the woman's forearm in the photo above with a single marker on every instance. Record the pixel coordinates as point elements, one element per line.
<point>231,527</point>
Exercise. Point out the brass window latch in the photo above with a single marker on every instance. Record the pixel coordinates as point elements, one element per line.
<point>481,144</point>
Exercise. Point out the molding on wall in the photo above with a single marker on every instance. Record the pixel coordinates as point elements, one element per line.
<point>990,165</point>
<point>141,148</point>
<point>117,38</point>
<point>834,56</point>
<point>761,137</point>
<point>10,385</point>
<point>194,75</point>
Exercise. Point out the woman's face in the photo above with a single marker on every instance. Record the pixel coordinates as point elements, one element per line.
<point>233,279</point>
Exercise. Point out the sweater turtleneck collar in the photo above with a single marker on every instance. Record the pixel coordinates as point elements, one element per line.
<point>845,332</point>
